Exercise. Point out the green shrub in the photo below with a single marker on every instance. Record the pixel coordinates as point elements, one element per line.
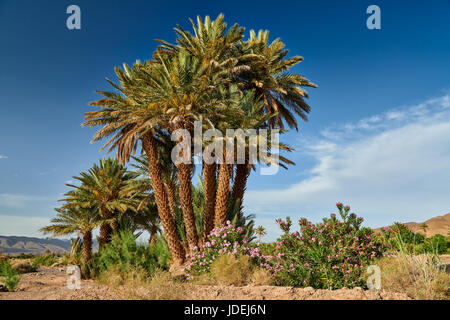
<point>437,244</point>
<point>45,260</point>
<point>223,239</point>
<point>124,253</point>
<point>406,235</point>
<point>11,276</point>
<point>329,255</point>
<point>414,243</point>
<point>25,256</point>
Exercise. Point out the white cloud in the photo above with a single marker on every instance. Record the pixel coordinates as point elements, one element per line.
<point>22,226</point>
<point>393,166</point>
<point>3,157</point>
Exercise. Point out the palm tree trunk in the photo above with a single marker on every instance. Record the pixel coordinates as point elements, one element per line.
<point>105,235</point>
<point>185,192</point>
<point>223,192</point>
<point>167,221</point>
<point>115,225</point>
<point>152,240</point>
<point>240,184</point>
<point>209,174</point>
<point>87,245</point>
<point>170,192</point>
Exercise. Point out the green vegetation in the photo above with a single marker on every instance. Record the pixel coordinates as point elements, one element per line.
<point>329,255</point>
<point>124,254</point>
<point>45,260</point>
<point>10,276</point>
<point>400,238</point>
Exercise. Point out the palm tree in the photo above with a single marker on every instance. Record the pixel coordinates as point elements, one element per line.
<point>75,220</point>
<point>215,45</point>
<point>104,189</point>
<point>253,65</point>
<point>424,227</point>
<point>142,112</point>
<point>210,187</point>
<point>260,232</point>
<point>236,216</point>
<point>280,91</point>
<point>148,219</point>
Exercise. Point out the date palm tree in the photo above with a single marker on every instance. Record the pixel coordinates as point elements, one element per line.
<point>149,104</point>
<point>250,117</point>
<point>260,232</point>
<point>190,99</point>
<point>130,116</point>
<point>214,44</point>
<point>148,219</point>
<point>75,220</point>
<point>103,189</point>
<point>424,227</point>
<point>253,65</point>
<point>280,91</point>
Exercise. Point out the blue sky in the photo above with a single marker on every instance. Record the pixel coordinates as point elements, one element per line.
<point>379,131</point>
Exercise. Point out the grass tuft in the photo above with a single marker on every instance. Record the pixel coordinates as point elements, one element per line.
<point>230,270</point>
<point>419,276</point>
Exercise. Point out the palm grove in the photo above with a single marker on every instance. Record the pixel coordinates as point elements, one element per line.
<point>212,75</point>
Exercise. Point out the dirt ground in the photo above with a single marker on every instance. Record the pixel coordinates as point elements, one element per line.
<point>50,284</point>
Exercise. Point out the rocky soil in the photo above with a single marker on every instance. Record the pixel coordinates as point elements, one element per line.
<point>50,284</point>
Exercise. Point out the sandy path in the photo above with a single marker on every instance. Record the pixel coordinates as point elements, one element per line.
<point>50,284</point>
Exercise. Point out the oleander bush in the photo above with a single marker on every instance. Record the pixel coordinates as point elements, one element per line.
<point>332,254</point>
<point>329,255</point>
<point>224,239</point>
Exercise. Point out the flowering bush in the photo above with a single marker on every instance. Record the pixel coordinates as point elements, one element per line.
<point>331,254</point>
<point>224,239</point>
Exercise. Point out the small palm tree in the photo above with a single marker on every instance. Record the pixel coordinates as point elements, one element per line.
<point>424,227</point>
<point>104,189</point>
<point>148,219</point>
<point>75,220</point>
<point>260,232</point>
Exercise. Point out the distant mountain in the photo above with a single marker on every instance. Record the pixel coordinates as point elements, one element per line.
<point>436,225</point>
<point>17,245</point>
